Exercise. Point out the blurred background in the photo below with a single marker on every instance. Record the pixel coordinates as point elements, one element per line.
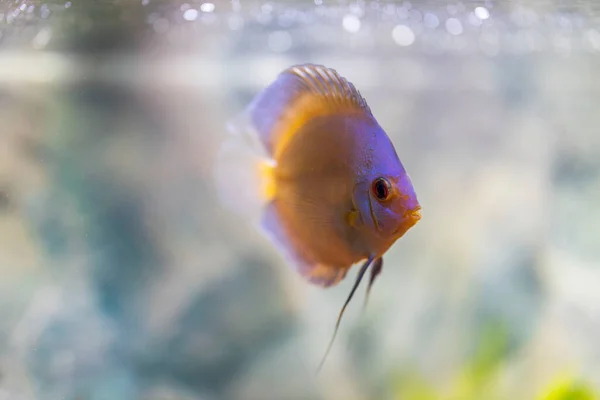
<point>123,277</point>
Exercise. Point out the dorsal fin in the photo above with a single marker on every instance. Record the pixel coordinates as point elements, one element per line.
<point>299,94</point>
<point>326,82</point>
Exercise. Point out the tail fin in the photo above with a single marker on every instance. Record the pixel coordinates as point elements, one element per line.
<point>243,172</point>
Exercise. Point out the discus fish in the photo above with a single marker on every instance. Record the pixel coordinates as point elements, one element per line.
<point>309,159</point>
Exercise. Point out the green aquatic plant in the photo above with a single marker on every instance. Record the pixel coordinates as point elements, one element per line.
<point>569,389</point>
<point>479,378</point>
<point>476,380</point>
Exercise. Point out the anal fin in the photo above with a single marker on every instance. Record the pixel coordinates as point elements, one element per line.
<point>313,271</point>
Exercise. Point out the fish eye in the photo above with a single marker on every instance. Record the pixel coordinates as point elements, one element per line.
<point>381,188</point>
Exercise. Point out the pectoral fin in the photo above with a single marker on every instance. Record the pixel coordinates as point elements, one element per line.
<point>375,271</point>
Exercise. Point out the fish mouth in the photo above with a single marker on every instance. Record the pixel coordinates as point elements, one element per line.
<point>411,217</point>
<point>414,215</point>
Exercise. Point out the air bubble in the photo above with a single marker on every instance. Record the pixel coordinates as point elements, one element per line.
<point>280,41</point>
<point>431,21</point>
<point>403,35</point>
<point>482,13</point>
<point>207,7</point>
<point>351,23</point>
<point>42,39</point>
<point>190,15</point>
<point>453,26</point>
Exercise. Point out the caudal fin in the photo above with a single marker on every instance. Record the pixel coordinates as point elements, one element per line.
<point>243,172</point>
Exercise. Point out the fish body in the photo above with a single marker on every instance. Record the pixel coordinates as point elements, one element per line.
<point>325,177</point>
<point>309,158</point>
<point>322,197</point>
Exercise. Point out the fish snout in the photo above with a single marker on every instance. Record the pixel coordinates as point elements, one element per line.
<point>413,215</point>
<point>410,218</point>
